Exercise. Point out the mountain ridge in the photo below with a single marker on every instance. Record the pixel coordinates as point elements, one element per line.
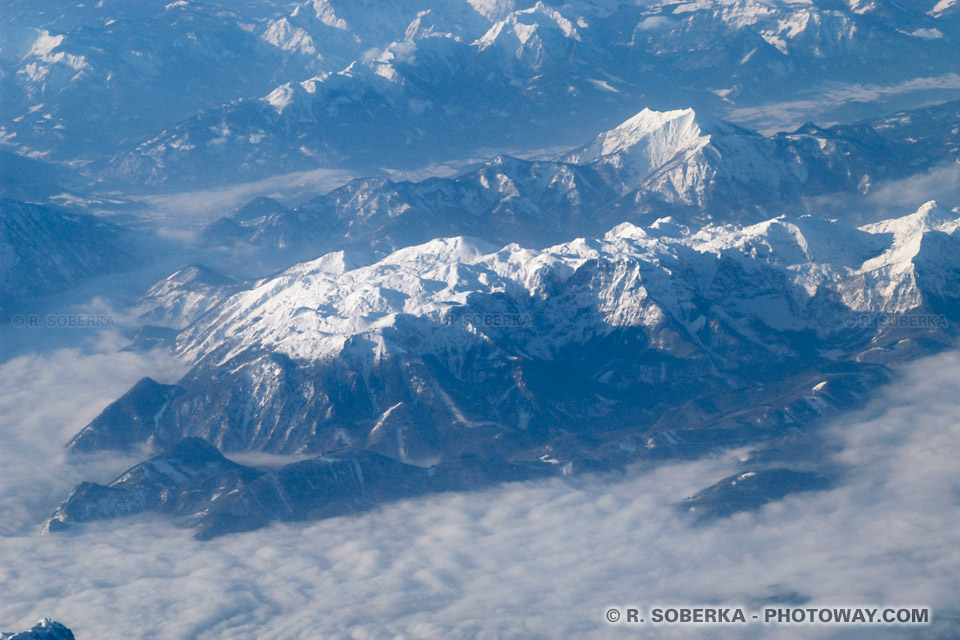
<point>678,163</point>
<point>396,85</point>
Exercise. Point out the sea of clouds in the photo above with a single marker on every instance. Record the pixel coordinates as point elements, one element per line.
<point>540,559</point>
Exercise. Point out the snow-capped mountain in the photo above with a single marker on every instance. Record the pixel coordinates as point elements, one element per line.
<point>45,629</point>
<point>657,263</point>
<point>649,342</point>
<point>675,163</point>
<point>184,296</point>
<point>256,89</point>
<point>638,297</point>
<point>808,254</point>
<point>78,81</point>
<point>421,368</point>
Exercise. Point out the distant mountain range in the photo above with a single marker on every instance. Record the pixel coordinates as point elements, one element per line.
<point>169,95</point>
<point>656,164</point>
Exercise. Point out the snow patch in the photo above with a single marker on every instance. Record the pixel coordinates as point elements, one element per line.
<point>281,97</point>
<point>45,43</point>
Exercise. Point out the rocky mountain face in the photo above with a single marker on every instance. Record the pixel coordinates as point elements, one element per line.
<point>47,250</point>
<point>194,482</point>
<point>695,169</point>
<point>676,285</point>
<point>645,343</point>
<point>750,490</point>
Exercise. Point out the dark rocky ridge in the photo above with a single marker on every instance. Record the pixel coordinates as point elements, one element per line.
<point>194,483</point>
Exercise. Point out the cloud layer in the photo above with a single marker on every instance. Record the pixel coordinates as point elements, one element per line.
<point>540,559</point>
<point>45,398</point>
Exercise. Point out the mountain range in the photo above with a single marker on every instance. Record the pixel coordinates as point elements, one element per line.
<point>255,89</point>
<point>682,275</point>
<point>599,286</point>
<point>646,343</point>
<point>692,168</point>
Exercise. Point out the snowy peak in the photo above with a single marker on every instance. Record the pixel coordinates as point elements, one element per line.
<point>493,10</point>
<point>184,296</point>
<point>794,242</point>
<point>908,234</point>
<point>532,36</point>
<point>446,250</point>
<point>916,268</point>
<point>281,33</point>
<point>521,26</point>
<point>676,163</point>
<point>45,629</point>
<point>646,141</point>
<point>313,310</point>
<point>669,146</point>
<point>929,217</point>
<point>312,29</point>
<point>325,13</point>
<point>335,262</point>
<point>289,94</point>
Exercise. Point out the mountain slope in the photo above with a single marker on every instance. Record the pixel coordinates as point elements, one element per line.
<point>45,250</point>
<point>454,364</point>
<point>193,482</point>
<point>452,346</point>
<point>257,89</point>
<point>677,163</point>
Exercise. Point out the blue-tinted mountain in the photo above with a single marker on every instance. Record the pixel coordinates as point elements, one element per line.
<point>692,168</point>
<point>249,90</point>
<point>642,345</point>
<point>184,480</point>
<point>129,421</point>
<point>46,250</point>
<point>750,490</point>
<point>194,483</point>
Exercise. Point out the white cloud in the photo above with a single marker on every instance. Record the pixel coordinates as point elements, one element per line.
<point>194,209</point>
<point>653,22</point>
<point>537,559</point>
<point>786,116</point>
<point>45,398</point>
<point>940,183</point>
